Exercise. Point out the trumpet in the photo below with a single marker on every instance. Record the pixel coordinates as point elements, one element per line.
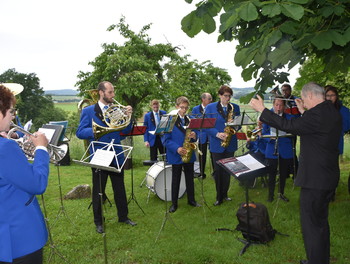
<point>253,134</point>
<point>56,153</point>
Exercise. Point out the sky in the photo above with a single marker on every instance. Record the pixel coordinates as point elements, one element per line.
<point>57,39</point>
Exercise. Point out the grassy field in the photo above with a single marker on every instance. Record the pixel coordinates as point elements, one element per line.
<point>189,235</point>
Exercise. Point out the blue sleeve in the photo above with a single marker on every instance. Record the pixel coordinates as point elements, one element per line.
<point>16,170</point>
<point>84,130</point>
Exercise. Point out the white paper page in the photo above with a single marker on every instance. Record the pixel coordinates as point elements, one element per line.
<point>48,132</point>
<point>102,157</point>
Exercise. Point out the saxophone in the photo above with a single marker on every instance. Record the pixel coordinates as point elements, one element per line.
<point>189,146</point>
<point>229,131</point>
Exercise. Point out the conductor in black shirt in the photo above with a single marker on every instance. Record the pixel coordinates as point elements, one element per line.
<point>319,129</point>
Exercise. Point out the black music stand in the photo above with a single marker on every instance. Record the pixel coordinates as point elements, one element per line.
<point>243,168</point>
<point>199,124</point>
<point>135,131</point>
<point>99,162</point>
<point>165,125</point>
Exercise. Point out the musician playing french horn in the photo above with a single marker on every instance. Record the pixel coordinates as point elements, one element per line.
<point>180,153</point>
<point>222,139</point>
<point>23,231</point>
<point>94,115</point>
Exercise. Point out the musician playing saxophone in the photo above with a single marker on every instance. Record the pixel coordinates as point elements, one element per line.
<point>176,150</point>
<point>85,131</point>
<point>23,232</point>
<point>224,112</point>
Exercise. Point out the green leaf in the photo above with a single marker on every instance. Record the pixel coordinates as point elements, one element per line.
<point>227,21</point>
<point>248,12</point>
<point>337,38</point>
<point>299,1</point>
<point>281,54</point>
<point>322,41</point>
<point>247,73</point>
<point>273,37</point>
<point>339,10</point>
<point>326,11</point>
<point>191,24</point>
<point>209,25</point>
<point>189,1</point>
<point>289,27</point>
<point>293,11</point>
<point>259,58</point>
<point>347,35</point>
<point>271,10</point>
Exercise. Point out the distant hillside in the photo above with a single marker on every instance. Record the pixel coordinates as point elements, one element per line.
<point>61,92</point>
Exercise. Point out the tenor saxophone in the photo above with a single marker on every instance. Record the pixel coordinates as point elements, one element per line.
<point>189,146</point>
<point>229,131</point>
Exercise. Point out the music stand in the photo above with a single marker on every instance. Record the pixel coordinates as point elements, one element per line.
<point>242,167</point>
<point>135,131</point>
<point>165,125</point>
<point>199,124</point>
<point>101,158</point>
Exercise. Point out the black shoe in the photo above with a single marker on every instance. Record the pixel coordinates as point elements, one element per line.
<point>172,208</point>
<point>228,199</point>
<point>304,262</point>
<point>270,199</point>
<point>282,197</point>
<point>217,203</point>
<point>128,222</point>
<point>99,229</point>
<point>203,176</point>
<point>194,204</point>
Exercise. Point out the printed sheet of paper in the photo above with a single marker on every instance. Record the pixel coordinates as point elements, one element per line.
<point>102,157</point>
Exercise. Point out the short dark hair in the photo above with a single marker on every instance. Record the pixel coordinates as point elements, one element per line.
<point>286,85</point>
<point>225,89</point>
<point>6,99</point>
<point>101,86</point>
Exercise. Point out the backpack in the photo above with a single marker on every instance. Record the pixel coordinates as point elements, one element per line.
<point>260,229</point>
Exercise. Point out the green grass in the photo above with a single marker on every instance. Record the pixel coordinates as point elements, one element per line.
<point>189,235</point>
<point>69,107</point>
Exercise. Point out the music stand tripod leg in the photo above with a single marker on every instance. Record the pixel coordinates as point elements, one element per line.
<point>62,209</point>
<point>166,212</point>
<point>52,246</point>
<point>132,195</point>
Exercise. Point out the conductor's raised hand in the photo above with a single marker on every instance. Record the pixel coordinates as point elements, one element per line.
<point>300,105</point>
<point>257,104</point>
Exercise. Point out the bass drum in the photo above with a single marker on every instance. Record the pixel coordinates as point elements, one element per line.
<point>155,180</point>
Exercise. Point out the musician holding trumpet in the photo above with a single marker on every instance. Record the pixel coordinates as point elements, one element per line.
<point>94,114</point>
<point>222,139</point>
<point>23,231</point>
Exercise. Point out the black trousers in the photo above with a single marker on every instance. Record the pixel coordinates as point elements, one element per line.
<point>176,178</point>
<point>314,224</point>
<point>202,158</point>
<point>158,146</point>
<point>32,258</point>
<point>221,176</point>
<point>117,180</point>
<point>284,168</point>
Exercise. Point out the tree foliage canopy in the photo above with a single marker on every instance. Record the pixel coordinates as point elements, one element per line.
<point>141,71</point>
<point>273,35</point>
<point>32,102</point>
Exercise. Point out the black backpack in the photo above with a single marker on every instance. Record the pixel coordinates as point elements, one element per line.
<point>260,227</point>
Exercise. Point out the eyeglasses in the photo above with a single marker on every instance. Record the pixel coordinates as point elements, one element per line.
<point>227,95</point>
<point>184,107</point>
<point>330,95</point>
<point>13,111</point>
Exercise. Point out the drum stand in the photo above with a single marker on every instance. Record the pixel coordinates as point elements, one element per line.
<point>166,213</point>
<point>62,210</point>
<point>53,249</point>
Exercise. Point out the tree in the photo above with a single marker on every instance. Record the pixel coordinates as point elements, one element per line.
<point>273,35</point>
<point>313,70</point>
<point>141,71</point>
<point>32,102</point>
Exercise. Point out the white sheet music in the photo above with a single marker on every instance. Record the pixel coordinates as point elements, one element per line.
<point>102,157</point>
<point>250,162</point>
<point>48,132</point>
